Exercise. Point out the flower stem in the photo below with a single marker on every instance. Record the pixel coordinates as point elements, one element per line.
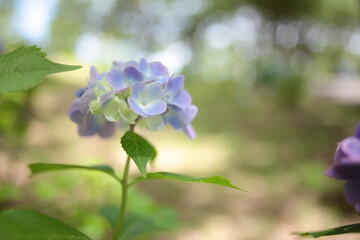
<point>125,188</point>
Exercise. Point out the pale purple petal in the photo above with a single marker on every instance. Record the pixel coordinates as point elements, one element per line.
<point>175,85</point>
<point>176,94</point>
<point>94,75</point>
<point>357,131</point>
<point>173,118</point>
<point>351,147</point>
<point>132,75</point>
<point>182,100</point>
<point>189,131</point>
<point>143,65</point>
<point>136,107</point>
<point>352,194</point>
<point>96,124</point>
<point>89,126</point>
<point>137,91</point>
<point>339,155</point>
<point>74,112</point>
<point>107,129</point>
<point>101,76</point>
<point>116,80</point>
<point>157,69</point>
<point>80,92</point>
<point>162,80</point>
<point>85,99</point>
<point>154,108</point>
<point>190,113</point>
<point>152,92</point>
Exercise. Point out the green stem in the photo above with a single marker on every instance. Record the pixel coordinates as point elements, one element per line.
<point>125,188</point>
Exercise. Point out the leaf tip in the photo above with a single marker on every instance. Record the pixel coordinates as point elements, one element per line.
<point>74,67</point>
<point>303,234</point>
<point>242,189</point>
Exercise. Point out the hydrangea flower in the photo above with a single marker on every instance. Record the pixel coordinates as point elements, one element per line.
<point>147,99</point>
<point>129,92</point>
<point>346,167</point>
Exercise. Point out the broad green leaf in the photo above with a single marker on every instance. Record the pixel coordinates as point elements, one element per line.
<point>29,225</point>
<point>353,228</point>
<point>45,167</point>
<point>218,180</point>
<point>139,149</point>
<point>141,225</point>
<point>25,67</point>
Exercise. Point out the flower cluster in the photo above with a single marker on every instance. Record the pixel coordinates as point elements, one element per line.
<point>347,167</point>
<point>128,92</point>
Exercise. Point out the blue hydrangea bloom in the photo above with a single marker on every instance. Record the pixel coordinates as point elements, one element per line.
<point>129,92</point>
<point>346,167</point>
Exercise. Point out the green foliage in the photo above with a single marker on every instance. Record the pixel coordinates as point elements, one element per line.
<point>25,67</point>
<point>15,116</point>
<point>24,224</point>
<point>281,8</point>
<point>139,149</point>
<point>352,228</point>
<point>10,192</point>
<point>218,180</point>
<point>141,225</point>
<point>45,167</point>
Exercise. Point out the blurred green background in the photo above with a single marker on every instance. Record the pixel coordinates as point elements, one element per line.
<point>276,83</point>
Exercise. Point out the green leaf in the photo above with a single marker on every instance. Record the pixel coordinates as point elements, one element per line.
<point>218,180</point>
<point>45,167</point>
<point>353,228</point>
<point>25,67</point>
<point>141,225</point>
<point>24,224</point>
<point>139,149</point>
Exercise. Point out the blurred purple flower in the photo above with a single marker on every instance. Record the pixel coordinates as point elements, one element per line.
<point>129,90</point>
<point>89,124</point>
<point>79,111</point>
<point>347,167</point>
